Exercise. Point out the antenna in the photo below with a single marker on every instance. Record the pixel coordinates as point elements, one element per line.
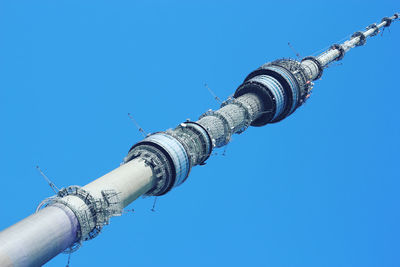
<point>334,64</point>
<point>213,94</point>
<point>224,152</point>
<point>51,184</point>
<point>128,211</point>
<point>294,50</point>
<point>137,125</point>
<point>154,205</point>
<point>383,30</point>
<point>69,259</point>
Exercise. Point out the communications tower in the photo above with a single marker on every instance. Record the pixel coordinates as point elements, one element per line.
<point>163,160</point>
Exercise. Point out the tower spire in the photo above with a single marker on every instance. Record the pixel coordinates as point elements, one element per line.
<point>336,52</point>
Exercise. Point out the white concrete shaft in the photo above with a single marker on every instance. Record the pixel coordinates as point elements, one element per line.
<point>38,238</point>
<point>43,235</point>
<point>130,180</point>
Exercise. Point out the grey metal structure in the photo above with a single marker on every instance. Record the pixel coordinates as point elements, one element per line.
<point>163,160</point>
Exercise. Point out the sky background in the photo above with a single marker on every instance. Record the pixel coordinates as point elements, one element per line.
<point>320,188</point>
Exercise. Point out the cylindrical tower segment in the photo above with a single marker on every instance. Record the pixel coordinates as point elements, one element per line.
<point>282,85</point>
<point>39,237</point>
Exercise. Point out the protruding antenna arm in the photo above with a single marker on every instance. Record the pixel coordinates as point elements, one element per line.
<point>51,184</point>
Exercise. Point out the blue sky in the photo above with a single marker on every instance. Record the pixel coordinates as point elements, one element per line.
<point>320,188</point>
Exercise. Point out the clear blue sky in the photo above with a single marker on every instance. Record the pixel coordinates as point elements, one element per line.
<point>320,188</point>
